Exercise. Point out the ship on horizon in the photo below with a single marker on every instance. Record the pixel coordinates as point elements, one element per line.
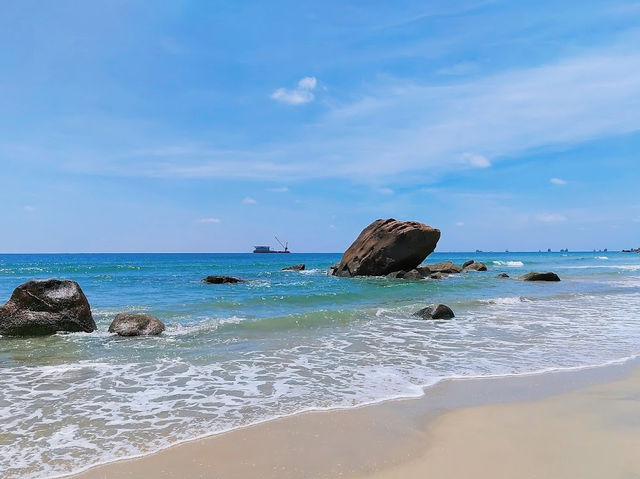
<point>267,249</point>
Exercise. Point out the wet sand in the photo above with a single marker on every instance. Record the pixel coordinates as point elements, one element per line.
<point>559,425</point>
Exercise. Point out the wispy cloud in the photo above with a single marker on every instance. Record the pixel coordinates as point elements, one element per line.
<point>280,189</point>
<point>300,95</point>
<point>29,208</point>
<point>249,201</point>
<point>558,181</point>
<point>385,191</point>
<point>475,161</point>
<point>398,126</point>
<point>551,218</point>
<point>460,223</point>
<point>209,220</point>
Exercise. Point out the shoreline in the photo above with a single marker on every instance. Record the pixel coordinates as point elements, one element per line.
<point>318,429</point>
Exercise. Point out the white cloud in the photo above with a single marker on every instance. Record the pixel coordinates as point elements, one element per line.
<point>385,191</point>
<point>307,83</point>
<point>297,96</point>
<point>281,189</point>
<point>332,227</point>
<point>460,223</point>
<point>551,218</point>
<point>475,161</point>
<point>209,220</point>
<point>558,181</point>
<point>249,201</point>
<point>29,208</point>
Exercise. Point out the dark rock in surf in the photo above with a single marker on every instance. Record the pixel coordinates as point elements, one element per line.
<point>295,267</point>
<point>549,276</point>
<point>217,279</point>
<point>45,307</point>
<point>503,275</point>
<point>475,266</point>
<point>386,246</point>
<point>435,311</point>
<point>414,274</point>
<point>396,275</point>
<point>445,267</point>
<point>437,276</point>
<point>467,263</point>
<point>135,324</point>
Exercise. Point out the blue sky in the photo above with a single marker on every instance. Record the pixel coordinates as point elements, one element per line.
<point>212,126</point>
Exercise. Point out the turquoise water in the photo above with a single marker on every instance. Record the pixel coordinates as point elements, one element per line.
<point>284,342</point>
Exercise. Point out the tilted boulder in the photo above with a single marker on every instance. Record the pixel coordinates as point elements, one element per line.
<point>445,267</point>
<point>295,267</point>
<point>45,307</point>
<point>136,324</point>
<point>467,263</point>
<point>218,279</point>
<point>386,246</point>
<point>549,276</point>
<point>435,311</point>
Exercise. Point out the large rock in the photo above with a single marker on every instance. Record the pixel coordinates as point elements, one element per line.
<point>386,246</point>
<point>295,267</point>
<point>218,279</point>
<point>435,311</point>
<point>474,266</point>
<point>136,324</point>
<point>446,267</point>
<point>549,276</point>
<point>45,307</point>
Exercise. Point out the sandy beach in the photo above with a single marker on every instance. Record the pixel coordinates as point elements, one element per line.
<point>561,425</point>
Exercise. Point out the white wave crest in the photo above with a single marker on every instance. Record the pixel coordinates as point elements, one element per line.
<point>511,264</point>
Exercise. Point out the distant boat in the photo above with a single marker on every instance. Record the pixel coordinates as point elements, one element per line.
<point>267,249</point>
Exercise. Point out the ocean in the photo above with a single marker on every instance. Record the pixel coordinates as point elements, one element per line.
<point>284,342</point>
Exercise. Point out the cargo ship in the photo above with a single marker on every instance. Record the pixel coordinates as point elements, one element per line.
<point>267,249</point>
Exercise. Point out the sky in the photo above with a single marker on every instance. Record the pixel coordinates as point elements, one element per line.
<point>210,126</point>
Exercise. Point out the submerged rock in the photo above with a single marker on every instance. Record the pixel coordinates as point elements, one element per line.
<point>503,275</point>
<point>386,246</point>
<point>295,267</point>
<point>435,311</point>
<point>437,276</point>
<point>474,266</point>
<point>445,267</point>
<point>45,307</point>
<point>549,276</point>
<point>217,279</point>
<point>135,324</point>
